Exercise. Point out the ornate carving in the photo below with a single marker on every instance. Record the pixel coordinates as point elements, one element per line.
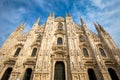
<point>39,38</point>
<point>118,59</point>
<point>30,61</point>
<point>100,62</point>
<point>60,32</point>
<point>82,38</point>
<point>59,47</point>
<point>39,63</point>
<point>59,19</point>
<point>10,61</point>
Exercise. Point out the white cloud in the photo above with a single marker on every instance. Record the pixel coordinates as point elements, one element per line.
<point>102,4</point>
<point>44,5</point>
<point>106,13</point>
<point>99,3</point>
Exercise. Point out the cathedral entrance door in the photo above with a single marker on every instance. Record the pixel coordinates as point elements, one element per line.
<point>59,73</point>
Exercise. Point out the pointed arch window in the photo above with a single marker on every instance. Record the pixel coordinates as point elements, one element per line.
<point>34,52</point>
<point>27,74</point>
<point>17,52</point>
<point>59,41</point>
<point>102,52</point>
<point>85,52</point>
<point>91,74</point>
<point>113,74</point>
<point>7,74</point>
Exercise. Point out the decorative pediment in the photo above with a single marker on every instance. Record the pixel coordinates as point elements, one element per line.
<point>89,62</point>
<point>24,38</point>
<point>19,45</point>
<point>36,44</point>
<point>108,62</point>
<point>59,19</point>
<point>99,44</point>
<point>59,52</point>
<point>30,61</point>
<point>10,61</point>
<point>59,55</point>
<point>83,44</point>
<point>60,32</point>
<point>59,47</point>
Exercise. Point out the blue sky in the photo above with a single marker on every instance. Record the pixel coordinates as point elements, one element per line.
<point>15,12</point>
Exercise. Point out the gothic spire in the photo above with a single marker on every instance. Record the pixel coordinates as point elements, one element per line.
<point>35,25</point>
<point>97,27</point>
<point>68,15</point>
<point>101,28</point>
<point>37,21</point>
<point>51,14</point>
<point>20,27</point>
<point>82,22</point>
<point>84,27</point>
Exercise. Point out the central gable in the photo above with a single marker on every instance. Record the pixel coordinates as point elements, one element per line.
<point>59,19</point>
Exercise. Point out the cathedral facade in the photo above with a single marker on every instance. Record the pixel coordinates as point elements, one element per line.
<point>59,50</point>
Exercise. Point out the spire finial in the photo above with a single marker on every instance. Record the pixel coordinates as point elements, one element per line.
<point>20,27</point>
<point>97,28</point>
<point>35,25</point>
<point>37,21</point>
<point>101,28</point>
<point>51,14</point>
<point>68,15</point>
<point>82,21</point>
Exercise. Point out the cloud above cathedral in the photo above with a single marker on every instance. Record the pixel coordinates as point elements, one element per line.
<point>15,12</point>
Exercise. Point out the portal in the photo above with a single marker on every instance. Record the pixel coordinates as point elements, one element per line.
<point>59,73</point>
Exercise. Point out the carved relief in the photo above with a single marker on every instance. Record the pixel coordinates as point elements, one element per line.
<point>19,64</point>
<point>118,59</point>
<point>82,38</point>
<point>39,64</point>
<point>101,62</point>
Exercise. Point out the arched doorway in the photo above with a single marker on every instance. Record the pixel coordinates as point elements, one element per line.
<point>113,74</point>
<point>59,73</point>
<point>7,74</point>
<point>91,74</point>
<point>27,74</point>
